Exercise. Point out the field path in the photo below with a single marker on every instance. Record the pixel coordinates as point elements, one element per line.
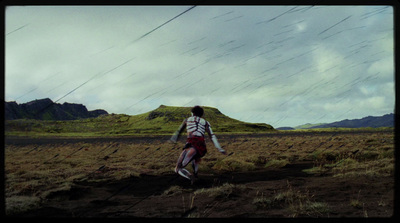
<point>145,196</point>
<point>123,198</point>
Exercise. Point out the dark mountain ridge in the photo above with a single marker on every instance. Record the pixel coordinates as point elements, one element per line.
<point>46,109</point>
<point>369,121</point>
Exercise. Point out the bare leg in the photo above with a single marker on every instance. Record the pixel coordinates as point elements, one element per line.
<point>184,159</point>
<point>195,165</point>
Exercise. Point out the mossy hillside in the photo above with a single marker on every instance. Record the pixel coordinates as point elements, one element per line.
<point>163,120</point>
<point>171,116</point>
<point>167,119</point>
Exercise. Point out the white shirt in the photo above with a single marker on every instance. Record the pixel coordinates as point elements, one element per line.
<point>197,127</point>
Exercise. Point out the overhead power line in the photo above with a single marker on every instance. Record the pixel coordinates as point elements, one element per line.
<point>148,33</point>
<point>102,74</point>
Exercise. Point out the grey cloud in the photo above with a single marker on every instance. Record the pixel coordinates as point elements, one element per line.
<point>281,65</point>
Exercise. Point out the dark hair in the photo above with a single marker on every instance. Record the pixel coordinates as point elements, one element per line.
<point>197,111</point>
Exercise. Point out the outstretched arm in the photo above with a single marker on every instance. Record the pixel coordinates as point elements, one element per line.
<point>178,132</point>
<point>214,138</point>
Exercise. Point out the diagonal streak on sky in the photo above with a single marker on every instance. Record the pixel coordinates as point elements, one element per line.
<point>286,65</point>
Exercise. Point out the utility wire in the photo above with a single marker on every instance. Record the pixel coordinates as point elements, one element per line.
<point>102,74</point>
<point>148,33</point>
<point>335,25</point>
<point>70,92</point>
<point>17,29</point>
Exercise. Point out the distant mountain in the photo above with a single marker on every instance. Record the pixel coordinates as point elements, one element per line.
<point>285,128</point>
<point>370,121</point>
<point>46,109</point>
<point>308,125</point>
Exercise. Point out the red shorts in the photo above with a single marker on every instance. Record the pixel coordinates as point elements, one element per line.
<point>198,144</point>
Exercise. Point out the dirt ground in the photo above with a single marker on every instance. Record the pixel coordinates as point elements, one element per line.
<point>143,196</point>
<point>243,194</point>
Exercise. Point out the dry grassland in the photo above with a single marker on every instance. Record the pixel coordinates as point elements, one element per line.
<point>258,180</point>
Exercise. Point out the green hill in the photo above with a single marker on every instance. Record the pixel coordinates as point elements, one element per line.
<point>163,120</point>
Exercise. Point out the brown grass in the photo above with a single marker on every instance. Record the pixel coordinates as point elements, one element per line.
<point>33,172</point>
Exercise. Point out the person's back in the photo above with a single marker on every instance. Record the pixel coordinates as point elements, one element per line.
<point>196,126</point>
<point>195,147</point>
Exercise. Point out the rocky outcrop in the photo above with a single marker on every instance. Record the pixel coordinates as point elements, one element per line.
<point>46,109</point>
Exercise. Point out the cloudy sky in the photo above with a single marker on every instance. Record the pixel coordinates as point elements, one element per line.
<point>282,65</point>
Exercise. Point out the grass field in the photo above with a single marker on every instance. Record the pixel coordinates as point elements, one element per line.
<point>290,174</point>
